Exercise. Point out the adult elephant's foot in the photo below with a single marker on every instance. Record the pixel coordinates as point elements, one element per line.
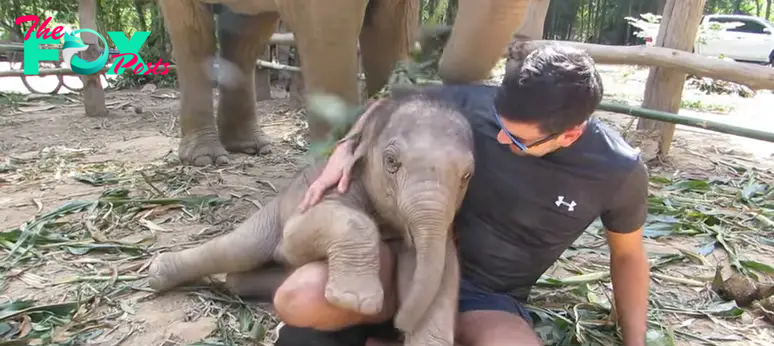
<point>249,140</point>
<point>202,150</point>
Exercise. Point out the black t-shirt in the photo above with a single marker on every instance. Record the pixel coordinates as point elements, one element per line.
<point>521,212</point>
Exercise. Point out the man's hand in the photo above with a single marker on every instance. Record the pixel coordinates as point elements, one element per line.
<point>339,166</point>
<point>336,172</point>
<point>630,274</point>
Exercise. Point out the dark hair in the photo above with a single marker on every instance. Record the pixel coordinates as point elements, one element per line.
<point>556,87</point>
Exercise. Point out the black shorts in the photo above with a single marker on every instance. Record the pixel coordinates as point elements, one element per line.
<point>471,298</point>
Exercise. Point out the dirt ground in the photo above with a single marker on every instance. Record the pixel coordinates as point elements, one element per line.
<point>51,154</point>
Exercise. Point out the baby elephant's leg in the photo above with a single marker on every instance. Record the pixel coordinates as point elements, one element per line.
<point>349,240</point>
<point>438,325</point>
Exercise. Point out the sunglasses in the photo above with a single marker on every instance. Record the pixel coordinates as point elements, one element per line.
<point>517,142</point>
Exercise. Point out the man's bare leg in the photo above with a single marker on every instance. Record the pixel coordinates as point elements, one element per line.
<point>487,328</point>
<point>300,300</point>
<point>494,328</point>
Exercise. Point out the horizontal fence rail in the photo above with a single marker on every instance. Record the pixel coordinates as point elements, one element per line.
<point>686,120</point>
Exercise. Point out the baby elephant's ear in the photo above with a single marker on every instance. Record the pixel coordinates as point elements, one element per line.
<point>368,128</point>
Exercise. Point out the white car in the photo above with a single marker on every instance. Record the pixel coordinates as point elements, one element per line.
<point>751,41</point>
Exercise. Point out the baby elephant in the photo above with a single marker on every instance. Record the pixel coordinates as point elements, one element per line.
<point>414,158</point>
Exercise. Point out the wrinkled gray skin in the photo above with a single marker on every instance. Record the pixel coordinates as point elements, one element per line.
<point>415,158</point>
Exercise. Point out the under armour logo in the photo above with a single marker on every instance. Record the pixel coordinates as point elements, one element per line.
<point>560,201</point>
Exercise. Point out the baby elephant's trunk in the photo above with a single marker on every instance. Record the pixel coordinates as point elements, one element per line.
<point>429,211</point>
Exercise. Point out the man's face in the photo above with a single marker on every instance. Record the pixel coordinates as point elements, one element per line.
<point>528,139</point>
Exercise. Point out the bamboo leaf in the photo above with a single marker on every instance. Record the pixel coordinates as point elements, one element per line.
<point>758,266</point>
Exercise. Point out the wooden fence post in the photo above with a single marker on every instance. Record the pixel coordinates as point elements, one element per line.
<point>93,94</point>
<point>664,87</point>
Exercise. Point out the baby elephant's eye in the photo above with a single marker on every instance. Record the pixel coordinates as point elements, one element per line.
<point>466,177</point>
<point>391,163</point>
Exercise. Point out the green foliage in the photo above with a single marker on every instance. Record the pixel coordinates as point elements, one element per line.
<point>335,112</point>
<point>151,54</point>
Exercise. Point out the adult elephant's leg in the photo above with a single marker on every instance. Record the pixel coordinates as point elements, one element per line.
<point>481,33</point>
<point>326,33</point>
<point>242,39</point>
<point>191,27</point>
<point>389,29</point>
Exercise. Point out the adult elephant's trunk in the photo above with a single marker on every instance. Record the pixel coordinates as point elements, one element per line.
<point>483,28</point>
<point>429,210</point>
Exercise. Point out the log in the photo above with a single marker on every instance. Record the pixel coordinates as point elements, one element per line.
<point>664,87</point>
<point>757,77</point>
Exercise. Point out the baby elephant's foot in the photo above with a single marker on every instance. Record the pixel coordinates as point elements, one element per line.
<point>161,273</point>
<point>361,294</point>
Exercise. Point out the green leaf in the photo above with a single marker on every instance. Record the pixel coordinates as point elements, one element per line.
<point>690,184</point>
<point>659,179</point>
<point>758,266</point>
<point>574,280</point>
<point>97,179</point>
<point>729,309</point>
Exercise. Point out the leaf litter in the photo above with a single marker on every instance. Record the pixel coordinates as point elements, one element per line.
<point>105,243</point>
<point>730,214</point>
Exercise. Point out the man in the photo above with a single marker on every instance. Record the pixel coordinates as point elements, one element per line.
<point>544,171</point>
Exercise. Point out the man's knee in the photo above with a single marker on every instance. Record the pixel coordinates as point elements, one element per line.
<point>297,300</point>
<point>300,300</point>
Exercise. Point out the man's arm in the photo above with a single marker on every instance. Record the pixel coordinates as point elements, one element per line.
<point>629,267</point>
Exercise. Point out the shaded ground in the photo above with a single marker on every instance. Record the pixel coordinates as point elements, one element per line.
<point>53,160</point>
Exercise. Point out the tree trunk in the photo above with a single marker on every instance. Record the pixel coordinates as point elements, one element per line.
<point>295,81</point>
<point>738,7</point>
<point>664,87</point>
<point>93,94</point>
<point>296,87</point>
<point>768,9</point>
<point>263,79</point>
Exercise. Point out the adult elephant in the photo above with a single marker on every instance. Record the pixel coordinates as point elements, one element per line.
<point>326,33</point>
